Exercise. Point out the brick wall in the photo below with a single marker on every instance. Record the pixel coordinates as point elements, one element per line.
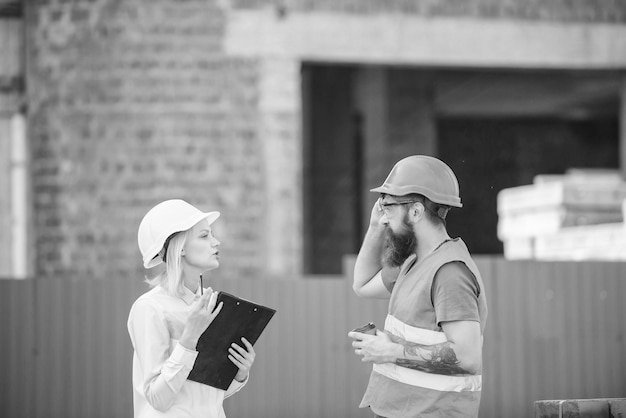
<point>131,103</point>
<point>134,102</point>
<point>545,10</point>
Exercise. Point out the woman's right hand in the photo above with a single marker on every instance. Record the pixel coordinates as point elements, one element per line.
<point>200,317</point>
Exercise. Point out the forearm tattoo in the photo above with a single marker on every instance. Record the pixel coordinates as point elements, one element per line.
<point>437,358</point>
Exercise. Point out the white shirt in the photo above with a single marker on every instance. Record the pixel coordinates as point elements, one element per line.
<point>161,365</point>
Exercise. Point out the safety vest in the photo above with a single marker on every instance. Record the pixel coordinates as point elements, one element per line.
<point>399,391</point>
<point>418,378</point>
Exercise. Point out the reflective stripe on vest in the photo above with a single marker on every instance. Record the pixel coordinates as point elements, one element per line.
<point>440,382</point>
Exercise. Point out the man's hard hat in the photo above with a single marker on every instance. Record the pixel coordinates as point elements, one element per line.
<point>425,175</point>
<point>163,220</point>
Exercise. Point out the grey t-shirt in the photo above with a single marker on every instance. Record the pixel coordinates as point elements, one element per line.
<point>455,293</point>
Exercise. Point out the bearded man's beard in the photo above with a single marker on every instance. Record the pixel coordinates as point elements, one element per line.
<point>399,245</point>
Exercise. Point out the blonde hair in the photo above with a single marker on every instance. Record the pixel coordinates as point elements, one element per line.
<point>171,279</point>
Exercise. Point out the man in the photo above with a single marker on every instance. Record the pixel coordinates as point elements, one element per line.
<point>428,360</point>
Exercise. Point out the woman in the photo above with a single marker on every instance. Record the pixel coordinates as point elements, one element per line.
<point>166,322</point>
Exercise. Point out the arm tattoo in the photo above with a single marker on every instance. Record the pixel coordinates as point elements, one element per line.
<point>437,358</point>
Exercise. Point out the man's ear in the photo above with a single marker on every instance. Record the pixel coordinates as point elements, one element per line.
<point>417,211</point>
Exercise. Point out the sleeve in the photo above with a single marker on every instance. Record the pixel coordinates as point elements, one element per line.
<point>455,293</point>
<point>163,373</point>
<point>235,387</point>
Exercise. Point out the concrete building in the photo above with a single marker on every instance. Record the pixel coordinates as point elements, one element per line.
<point>282,115</point>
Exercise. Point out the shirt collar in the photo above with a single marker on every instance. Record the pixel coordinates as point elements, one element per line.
<point>189,296</point>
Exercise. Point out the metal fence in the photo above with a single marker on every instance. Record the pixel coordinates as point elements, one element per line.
<point>555,331</point>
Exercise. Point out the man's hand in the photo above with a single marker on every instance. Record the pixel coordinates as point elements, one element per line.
<point>375,348</point>
<point>376,215</point>
<point>367,280</point>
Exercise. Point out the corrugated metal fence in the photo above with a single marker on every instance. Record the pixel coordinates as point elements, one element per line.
<point>555,331</point>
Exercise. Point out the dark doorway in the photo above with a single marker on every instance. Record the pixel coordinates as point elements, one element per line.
<point>495,128</point>
<point>333,165</point>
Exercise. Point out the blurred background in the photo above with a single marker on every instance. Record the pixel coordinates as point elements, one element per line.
<point>282,115</point>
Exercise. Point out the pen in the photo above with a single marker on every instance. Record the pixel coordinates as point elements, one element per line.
<point>201,290</point>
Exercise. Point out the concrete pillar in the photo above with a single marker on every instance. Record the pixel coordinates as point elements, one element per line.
<point>5,190</point>
<point>279,124</point>
<point>19,197</point>
<point>15,259</point>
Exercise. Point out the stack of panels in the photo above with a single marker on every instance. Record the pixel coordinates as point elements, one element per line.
<point>541,220</point>
<point>590,242</point>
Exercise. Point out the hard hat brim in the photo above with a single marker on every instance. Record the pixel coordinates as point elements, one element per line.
<point>403,191</point>
<point>151,260</point>
<point>382,189</point>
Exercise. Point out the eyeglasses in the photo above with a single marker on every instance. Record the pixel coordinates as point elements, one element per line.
<point>385,206</point>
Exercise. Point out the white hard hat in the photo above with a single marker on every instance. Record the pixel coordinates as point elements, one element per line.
<point>163,220</point>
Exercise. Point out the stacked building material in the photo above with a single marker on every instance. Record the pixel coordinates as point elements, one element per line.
<point>576,216</point>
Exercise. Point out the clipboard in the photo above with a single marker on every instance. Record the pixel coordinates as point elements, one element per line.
<point>238,318</point>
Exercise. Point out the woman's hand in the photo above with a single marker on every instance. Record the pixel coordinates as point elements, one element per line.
<point>200,317</point>
<point>242,359</point>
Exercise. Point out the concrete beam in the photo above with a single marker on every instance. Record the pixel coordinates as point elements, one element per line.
<point>415,40</point>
